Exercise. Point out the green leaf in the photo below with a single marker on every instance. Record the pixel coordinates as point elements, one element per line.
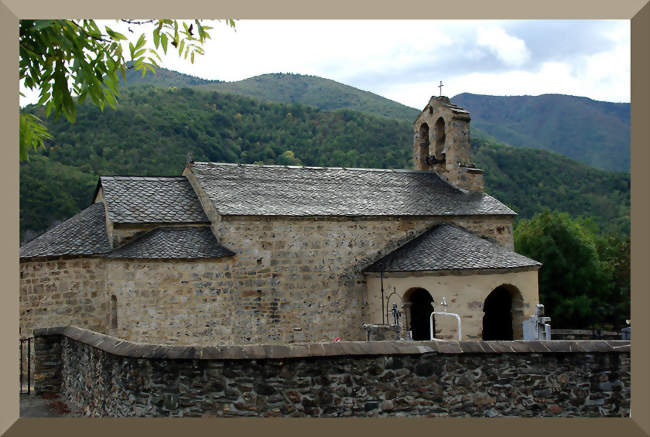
<point>115,35</point>
<point>156,38</point>
<point>163,40</point>
<point>140,42</point>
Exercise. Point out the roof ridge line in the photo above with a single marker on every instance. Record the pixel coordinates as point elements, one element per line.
<point>310,167</point>
<point>140,177</point>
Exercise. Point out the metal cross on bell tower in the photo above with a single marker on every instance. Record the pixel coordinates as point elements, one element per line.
<point>440,86</point>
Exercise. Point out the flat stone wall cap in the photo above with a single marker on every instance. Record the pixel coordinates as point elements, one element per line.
<point>334,349</point>
<point>44,332</point>
<point>181,352</point>
<point>298,350</point>
<point>353,348</point>
<point>449,347</point>
<point>276,351</point>
<point>501,346</point>
<point>127,348</point>
<point>487,347</point>
<point>520,346</point>
<point>559,346</point>
<point>621,348</point>
<point>593,346</point>
<point>469,347</point>
<point>537,347</point>
<point>316,349</point>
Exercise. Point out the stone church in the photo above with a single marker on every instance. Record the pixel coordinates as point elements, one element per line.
<point>236,254</point>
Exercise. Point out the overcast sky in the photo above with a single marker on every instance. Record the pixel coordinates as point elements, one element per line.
<point>404,60</point>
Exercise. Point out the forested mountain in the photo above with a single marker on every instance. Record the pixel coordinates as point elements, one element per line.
<point>287,88</point>
<point>595,133</point>
<point>153,128</point>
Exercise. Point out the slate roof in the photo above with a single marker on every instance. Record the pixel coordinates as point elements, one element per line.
<point>450,247</point>
<point>267,190</point>
<point>173,243</point>
<point>82,234</point>
<point>131,199</point>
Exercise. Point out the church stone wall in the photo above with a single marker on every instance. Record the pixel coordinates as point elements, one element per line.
<point>291,280</point>
<point>62,292</point>
<point>174,302</point>
<point>300,279</point>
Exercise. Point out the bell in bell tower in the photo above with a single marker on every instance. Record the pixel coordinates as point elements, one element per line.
<point>441,144</point>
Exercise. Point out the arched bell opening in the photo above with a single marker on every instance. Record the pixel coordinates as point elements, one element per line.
<point>439,150</point>
<point>423,143</point>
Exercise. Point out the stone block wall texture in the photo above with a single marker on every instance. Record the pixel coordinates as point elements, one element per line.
<point>48,364</point>
<point>175,302</point>
<point>377,379</point>
<point>62,292</point>
<point>292,280</point>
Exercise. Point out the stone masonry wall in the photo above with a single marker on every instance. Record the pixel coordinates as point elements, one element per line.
<point>292,280</point>
<point>300,279</point>
<point>62,292</point>
<point>174,302</point>
<point>103,376</point>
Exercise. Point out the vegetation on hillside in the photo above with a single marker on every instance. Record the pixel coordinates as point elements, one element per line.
<point>530,180</point>
<point>592,132</point>
<point>585,278</point>
<point>67,61</point>
<point>288,88</point>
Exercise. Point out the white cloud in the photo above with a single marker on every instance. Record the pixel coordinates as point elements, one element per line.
<point>404,59</point>
<point>511,50</point>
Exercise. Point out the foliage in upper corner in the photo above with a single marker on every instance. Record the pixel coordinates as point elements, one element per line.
<point>64,59</point>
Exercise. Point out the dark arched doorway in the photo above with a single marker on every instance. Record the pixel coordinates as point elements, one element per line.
<point>420,301</point>
<point>497,320</point>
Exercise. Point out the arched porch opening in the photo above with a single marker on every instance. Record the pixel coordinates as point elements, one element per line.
<point>419,304</point>
<point>503,314</point>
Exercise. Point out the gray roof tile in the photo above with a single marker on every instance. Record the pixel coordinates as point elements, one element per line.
<point>450,247</point>
<point>82,234</point>
<point>131,199</point>
<point>173,243</point>
<point>264,190</point>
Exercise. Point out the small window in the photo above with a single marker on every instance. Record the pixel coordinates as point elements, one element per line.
<point>113,312</point>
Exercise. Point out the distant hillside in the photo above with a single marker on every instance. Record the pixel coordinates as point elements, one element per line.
<point>593,132</point>
<point>163,78</point>
<point>152,130</point>
<point>287,88</point>
<point>529,180</point>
